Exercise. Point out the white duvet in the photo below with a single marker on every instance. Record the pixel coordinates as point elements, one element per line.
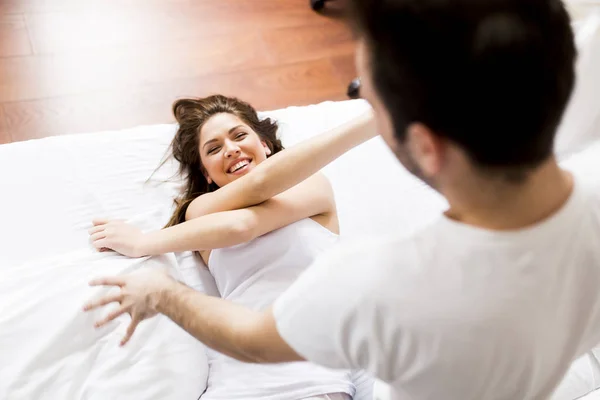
<point>50,349</point>
<point>52,188</point>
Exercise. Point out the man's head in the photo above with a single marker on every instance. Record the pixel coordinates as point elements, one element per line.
<point>490,78</point>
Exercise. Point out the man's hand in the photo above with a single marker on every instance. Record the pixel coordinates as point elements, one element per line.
<point>118,236</point>
<point>138,296</point>
<point>229,328</point>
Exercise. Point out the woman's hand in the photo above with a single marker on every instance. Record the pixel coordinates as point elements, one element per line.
<point>118,236</point>
<point>137,296</point>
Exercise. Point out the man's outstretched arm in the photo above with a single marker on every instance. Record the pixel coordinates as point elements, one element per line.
<point>226,327</point>
<point>229,328</point>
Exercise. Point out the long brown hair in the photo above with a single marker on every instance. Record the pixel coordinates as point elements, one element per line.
<point>191,114</point>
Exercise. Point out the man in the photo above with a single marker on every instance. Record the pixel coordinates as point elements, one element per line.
<point>499,295</point>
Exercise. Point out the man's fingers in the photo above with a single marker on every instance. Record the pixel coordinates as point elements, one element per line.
<point>130,329</point>
<point>108,281</point>
<point>111,316</point>
<point>103,301</point>
<point>100,221</point>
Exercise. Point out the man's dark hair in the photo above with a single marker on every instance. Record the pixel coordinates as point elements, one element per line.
<point>493,76</point>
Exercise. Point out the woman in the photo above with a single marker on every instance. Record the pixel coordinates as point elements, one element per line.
<point>254,253</point>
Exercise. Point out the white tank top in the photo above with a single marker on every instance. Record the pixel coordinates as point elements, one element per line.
<point>254,274</point>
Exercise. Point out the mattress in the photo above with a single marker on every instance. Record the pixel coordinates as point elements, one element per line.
<point>53,187</point>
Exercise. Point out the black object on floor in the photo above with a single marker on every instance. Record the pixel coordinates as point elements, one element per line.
<point>354,89</point>
<point>354,86</point>
<point>317,5</point>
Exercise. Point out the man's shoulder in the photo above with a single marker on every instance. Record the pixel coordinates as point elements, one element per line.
<point>357,248</point>
<point>390,256</point>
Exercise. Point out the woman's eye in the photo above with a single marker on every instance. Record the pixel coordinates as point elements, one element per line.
<point>213,150</point>
<point>241,135</point>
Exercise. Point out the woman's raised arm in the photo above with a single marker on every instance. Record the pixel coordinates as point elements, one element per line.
<point>286,168</point>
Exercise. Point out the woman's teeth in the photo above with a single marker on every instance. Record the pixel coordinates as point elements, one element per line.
<point>239,165</point>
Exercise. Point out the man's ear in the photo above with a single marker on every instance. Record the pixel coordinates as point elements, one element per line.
<point>267,149</point>
<point>427,148</point>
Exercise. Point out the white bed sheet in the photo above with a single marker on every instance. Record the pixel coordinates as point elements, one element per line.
<point>595,395</point>
<point>52,188</point>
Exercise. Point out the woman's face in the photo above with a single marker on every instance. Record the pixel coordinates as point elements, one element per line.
<point>229,149</point>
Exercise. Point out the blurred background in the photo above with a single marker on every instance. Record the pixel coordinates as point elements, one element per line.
<point>73,66</point>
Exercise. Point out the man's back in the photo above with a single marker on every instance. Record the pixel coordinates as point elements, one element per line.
<point>501,314</point>
<point>459,312</point>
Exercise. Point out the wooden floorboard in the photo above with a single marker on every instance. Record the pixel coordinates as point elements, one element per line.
<point>69,66</point>
<point>4,135</point>
<point>53,31</point>
<point>304,83</point>
<point>14,38</point>
<point>52,75</point>
<point>344,67</point>
<point>289,45</point>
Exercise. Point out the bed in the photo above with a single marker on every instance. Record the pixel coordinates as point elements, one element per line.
<point>52,188</point>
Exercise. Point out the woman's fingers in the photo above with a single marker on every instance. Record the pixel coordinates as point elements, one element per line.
<point>98,236</point>
<point>101,244</point>
<point>103,301</point>
<point>109,281</point>
<point>105,221</point>
<point>96,229</point>
<point>130,329</point>
<point>114,314</point>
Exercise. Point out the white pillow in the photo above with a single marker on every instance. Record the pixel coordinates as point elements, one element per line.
<point>581,122</point>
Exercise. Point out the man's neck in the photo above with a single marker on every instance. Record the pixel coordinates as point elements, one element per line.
<point>502,205</point>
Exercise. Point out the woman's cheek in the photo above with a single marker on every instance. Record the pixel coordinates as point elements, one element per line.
<point>212,167</point>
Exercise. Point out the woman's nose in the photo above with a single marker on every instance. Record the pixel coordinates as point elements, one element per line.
<point>231,150</point>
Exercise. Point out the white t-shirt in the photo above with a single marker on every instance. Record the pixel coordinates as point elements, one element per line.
<point>454,311</point>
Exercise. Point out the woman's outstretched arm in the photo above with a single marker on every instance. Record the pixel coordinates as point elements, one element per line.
<point>314,196</point>
<point>286,168</point>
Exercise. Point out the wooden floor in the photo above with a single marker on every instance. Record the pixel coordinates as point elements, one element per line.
<point>72,66</point>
